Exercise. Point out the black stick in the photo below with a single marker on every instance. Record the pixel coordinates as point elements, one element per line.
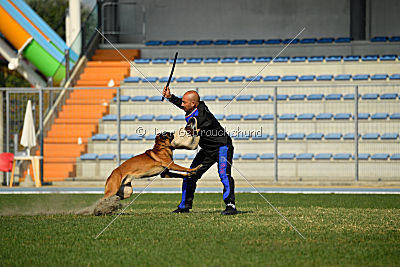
<point>172,72</point>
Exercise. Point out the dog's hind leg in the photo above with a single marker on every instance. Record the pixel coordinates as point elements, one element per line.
<point>113,183</point>
<point>125,191</point>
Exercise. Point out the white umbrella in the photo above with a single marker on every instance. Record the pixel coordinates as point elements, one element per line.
<point>28,138</point>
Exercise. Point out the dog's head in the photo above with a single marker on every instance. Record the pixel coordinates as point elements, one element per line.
<point>164,138</point>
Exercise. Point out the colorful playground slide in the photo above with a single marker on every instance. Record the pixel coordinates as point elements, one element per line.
<point>34,39</point>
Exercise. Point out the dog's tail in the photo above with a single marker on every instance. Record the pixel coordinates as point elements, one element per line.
<point>113,183</point>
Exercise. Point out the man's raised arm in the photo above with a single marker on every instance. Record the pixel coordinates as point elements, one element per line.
<point>172,98</point>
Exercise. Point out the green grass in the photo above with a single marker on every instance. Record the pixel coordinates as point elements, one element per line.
<point>339,230</point>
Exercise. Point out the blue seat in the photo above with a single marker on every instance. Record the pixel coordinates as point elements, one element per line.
<point>244,98</point>
<point>333,96</point>
<point>296,136</point>
<point>132,79</point>
<point>395,156</point>
<point>350,96</point>
<point>281,59</point>
<point>253,78</point>
<point>333,58</point>
<point>380,116</point>
<point>122,98</point>
<point>267,156</point>
<point>246,60</point>
<point>273,41</point>
<point>219,79</point>
<point>308,41</point>
<point>298,59</point>
<point>342,156</point>
<point>325,77</point>
<point>89,156</point>
<point>323,156</point>
<point>179,156</point>
<point>226,97</point>
<point>291,41</point>
<point>150,137</point>
<point>241,137</point>
<point>187,42</point>
<point>305,156</point>
<point>370,136</point>
<point>349,136</point>
<point>139,98</point>
<point>370,96</point>
<point>156,98</point>
<point>333,136</point>
<point>289,78</point>
<point>179,117</point>
<point>281,97</point>
<point>180,60</point>
<point>262,97</point>
<point>314,136</point>
<point>380,156</point>
<point>363,116</point>
<point>326,40</point>
<point>135,137</point>
<point>130,117</point>
<point>205,42</point>
<point>100,137</point>
<point>234,117</point>
<point>153,43</point>
<point>287,156</point>
<point>304,78</point>
<point>219,116</point>
<point>228,60</point>
<point>126,156</point>
<point>166,78</point>
<point>250,156</point>
<point>306,116</point>
<point>114,137</point>
<point>107,156</point>
<point>343,40</point>
<point>185,79</point>
<point>222,42</point>
<point>343,77</point>
<point>394,39</point>
<point>280,136</point>
<point>288,116</point>
<point>211,60</point>
<point>389,96</point>
<point>146,117</point>
<point>297,97</point>
<point>142,61</point>
<point>163,117</point>
<point>160,61</point>
<point>315,97</point>
<point>263,59</point>
<point>201,79</point>
<point>370,58</point>
<point>316,59</point>
<point>271,78</point>
<point>194,60</point>
<point>395,116</point>
<point>395,76</point>
<point>236,79</point>
<point>170,43</point>
<point>262,136</point>
<point>236,156</point>
<point>324,116</point>
<point>267,117</point>
<point>388,58</point>
<point>256,42</point>
<point>379,39</point>
<point>361,77</point>
<point>351,58</point>
<point>209,98</point>
<point>389,136</point>
<point>110,117</point>
<point>342,116</point>
<point>379,76</point>
<point>363,156</point>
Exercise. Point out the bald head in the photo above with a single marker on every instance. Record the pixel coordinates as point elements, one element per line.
<point>190,100</point>
<point>192,96</point>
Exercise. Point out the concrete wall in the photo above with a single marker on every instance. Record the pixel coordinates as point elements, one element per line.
<point>385,17</point>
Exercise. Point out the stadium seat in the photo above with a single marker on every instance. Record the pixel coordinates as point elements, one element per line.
<point>236,79</point>
<point>262,97</point>
<point>166,78</point>
<point>369,96</point>
<point>139,98</point>
<point>288,116</point>
<point>351,58</point>
<point>250,156</point>
<point>291,41</point>
<point>130,117</point>
<point>156,98</point>
<point>253,78</point>
<point>267,156</point>
<point>379,77</point>
<point>170,43</point>
<point>389,96</point>
<point>205,42</point>
<point>379,39</point>
<point>287,156</point>
<point>160,61</point>
<point>185,79</point>
<point>122,98</point>
<point>324,116</point>
<point>305,78</point>
<point>305,156</point>
<point>228,60</point>
<point>389,136</point>
<point>323,156</point>
<point>370,136</point>
<point>342,116</point>
<point>380,116</point>
<point>226,97</point>
<point>343,40</point>
<point>395,116</point>
<point>135,137</point>
<point>395,156</point>
<point>363,156</point>
<point>246,60</point>
<point>333,97</point>
<point>179,156</point>
<point>263,59</point>
<point>343,77</point>
<point>298,59</point>
<point>306,116</point>
<point>180,60</point>
<point>297,97</point>
<point>314,136</point>
<point>201,79</point>
<point>150,137</point>
<point>100,137</point>
<point>194,60</point>
<point>209,98</point>
<point>219,79</point>
<point>349,136</point>
<point>142,60</point>
<point>146,117</point>
<point>395,76</point>
<point>342,156</point>
<point>316,59</point>
<point>369,58</point>
<point>350,96</point>
<point>289,78</point>
<point>326,40</point>
<point>244,98</point>
<point>234,117</point>
<point>308,41</point>
<point>315,97</point>
<point>267,117</point>
<point>387,58</point>
<point>380,156</point>
<point>333,58</point>
<point>107,156</point>
<point>219,116</point>
<point>262,136</point>
<point>211,60</point>
<point>132,79</point>
<point>325,77</point>
<point>280,136</point>
<point>394,39</point>
<point>179,117</point>
<point>114,137</point>
<point>252,117</point>
<point>222,42</point>
<point>241,137</point>
<point>163,117</point>
<point>271,78</point>
<point>363,116</point>
<point>361,77</point>
<point>110,117</point>
<point>281,59</point>
<point>126,156</point>
<point>236,156</point>
<point>153,43</point>
<point>256,42</point>
<point>273,41</point>
<point>281,97</point>
<point>187,42</point>
<point>333,136</point>
<point>89,156</point>
<point>296,136</point>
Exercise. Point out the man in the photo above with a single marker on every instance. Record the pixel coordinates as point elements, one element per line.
<point>216,146</point>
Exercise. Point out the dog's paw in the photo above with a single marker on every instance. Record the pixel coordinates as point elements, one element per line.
<point>194,170</point>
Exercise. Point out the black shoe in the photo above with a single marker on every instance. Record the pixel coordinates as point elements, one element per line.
<point>179,210</point>
<point>229,210</point>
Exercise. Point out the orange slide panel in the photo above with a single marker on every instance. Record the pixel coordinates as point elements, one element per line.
<point>14,33</point>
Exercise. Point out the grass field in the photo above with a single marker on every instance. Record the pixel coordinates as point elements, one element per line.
<point>339,230</point>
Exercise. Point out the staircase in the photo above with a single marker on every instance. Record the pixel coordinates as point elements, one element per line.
<point>79,116</point>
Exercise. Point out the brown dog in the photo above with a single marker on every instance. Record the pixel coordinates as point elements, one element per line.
<point>151,163</point>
